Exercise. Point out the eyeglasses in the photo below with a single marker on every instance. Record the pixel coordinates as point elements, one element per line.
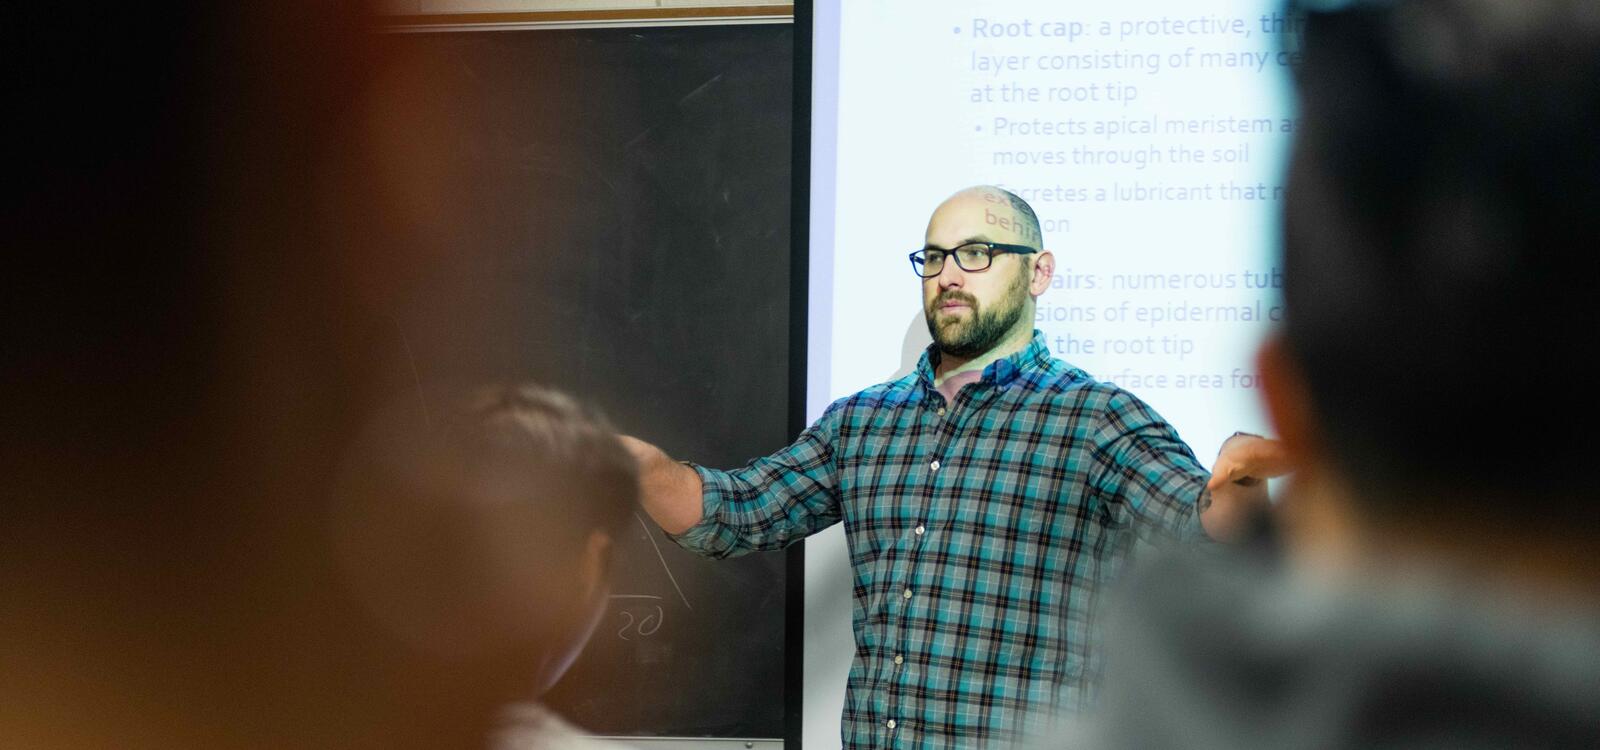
<point>973,256</point>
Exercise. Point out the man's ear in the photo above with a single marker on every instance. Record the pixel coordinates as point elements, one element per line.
<point>1288,401</point>
<point>1044,268</point>
<point>594,570</point>
<point>592,584</point>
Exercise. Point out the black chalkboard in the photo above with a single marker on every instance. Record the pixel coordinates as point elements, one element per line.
<point>622,216</point>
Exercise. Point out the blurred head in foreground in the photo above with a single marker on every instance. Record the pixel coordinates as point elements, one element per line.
<point>488,535</point>
<point>210,233</point>
<point>1440,239</point>
<point>1431,382</point>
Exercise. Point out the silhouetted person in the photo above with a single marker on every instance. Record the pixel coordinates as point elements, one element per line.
<point>1442,580</point>
<point>208,240</point>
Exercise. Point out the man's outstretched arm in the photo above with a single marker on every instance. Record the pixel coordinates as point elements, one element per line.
<point>1238,483</point>
<point>669,491</point>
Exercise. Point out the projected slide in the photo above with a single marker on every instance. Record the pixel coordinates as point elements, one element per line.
<point>1148,136</point>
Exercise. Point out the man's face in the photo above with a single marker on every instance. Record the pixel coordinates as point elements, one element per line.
<point>971,312</point>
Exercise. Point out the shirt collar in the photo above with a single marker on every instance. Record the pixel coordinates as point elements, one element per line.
<point>1036,355</point>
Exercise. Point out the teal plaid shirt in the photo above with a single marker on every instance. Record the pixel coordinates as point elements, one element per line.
<point>980,535</point>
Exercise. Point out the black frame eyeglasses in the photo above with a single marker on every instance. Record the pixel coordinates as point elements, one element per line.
<point>970,256</point>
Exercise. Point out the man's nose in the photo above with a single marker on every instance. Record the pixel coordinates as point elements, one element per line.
<point>951,274</point>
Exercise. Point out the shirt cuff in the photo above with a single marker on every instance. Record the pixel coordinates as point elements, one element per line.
<point>702,536</point>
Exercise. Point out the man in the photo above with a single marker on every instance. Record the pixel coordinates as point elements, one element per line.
<point>1440,587</point>
<point>486,539</point>
<point>986,499</point>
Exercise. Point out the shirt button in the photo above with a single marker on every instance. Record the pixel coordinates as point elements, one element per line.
<point>920,530</point>
<point>935,465</point>
<point>906,593</point>
<point>898,659</point>
<point>941,411</point>
<point>890,724</point>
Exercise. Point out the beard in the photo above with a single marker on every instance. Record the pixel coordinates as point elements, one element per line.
<point>983,329</point>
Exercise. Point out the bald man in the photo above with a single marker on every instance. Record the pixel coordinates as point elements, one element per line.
<point>986,498</point>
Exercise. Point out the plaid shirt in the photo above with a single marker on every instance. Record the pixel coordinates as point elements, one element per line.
<point>979,535</point>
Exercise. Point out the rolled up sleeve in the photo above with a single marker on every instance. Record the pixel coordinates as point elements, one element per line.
<point>1146,474</point>
<point>770,503</point>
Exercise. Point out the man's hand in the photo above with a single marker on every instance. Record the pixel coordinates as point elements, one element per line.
<point>1238,483</point>
<point>668,490</point>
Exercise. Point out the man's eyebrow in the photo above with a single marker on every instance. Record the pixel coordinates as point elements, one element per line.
<point>974,238</point>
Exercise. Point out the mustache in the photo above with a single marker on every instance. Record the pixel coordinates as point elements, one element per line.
<point>955,295</point>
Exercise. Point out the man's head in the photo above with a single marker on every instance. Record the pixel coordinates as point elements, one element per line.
<point>488,537</point>
<point>971,312</point>
<point>1440,241</point>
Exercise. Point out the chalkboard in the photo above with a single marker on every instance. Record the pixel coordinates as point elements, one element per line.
<point>621,204</point>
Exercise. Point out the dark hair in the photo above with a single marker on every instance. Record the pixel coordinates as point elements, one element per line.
<point>478,524</point>
<point>1441,236</point>
<point>577,470</point>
